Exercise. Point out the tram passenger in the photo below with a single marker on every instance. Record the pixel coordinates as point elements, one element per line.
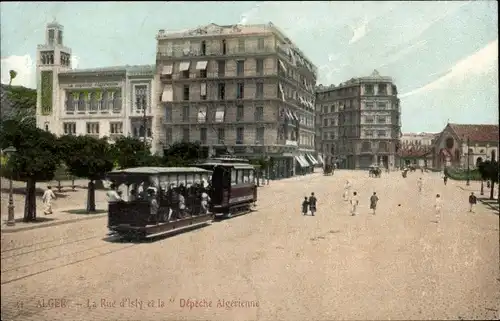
<point>182,205</point>
<point>204,202</point>
<point>113,195</point>
<point>153,202</point>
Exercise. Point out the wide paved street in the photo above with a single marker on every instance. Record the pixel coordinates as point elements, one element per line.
<point>273,264</point>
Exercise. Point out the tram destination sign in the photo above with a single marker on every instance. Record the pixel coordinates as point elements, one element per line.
<point>93,85</point>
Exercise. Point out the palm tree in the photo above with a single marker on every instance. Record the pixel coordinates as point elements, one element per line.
<point>12,74</point>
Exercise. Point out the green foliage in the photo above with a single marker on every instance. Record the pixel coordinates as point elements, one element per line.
<point>37,155</point>
<point>130,152</point>
<point>19,103</point>
<point>489,170</point>
<point>86,156</point>
<point>461,174</point>
<point>183,154</point>
<point>47,84</point>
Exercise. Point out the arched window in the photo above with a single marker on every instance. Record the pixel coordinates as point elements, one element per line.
<point>449,143</point>
<point>117,102</point>
<point>93,101</point>
<point>81,102</point>
<point>457,155</point>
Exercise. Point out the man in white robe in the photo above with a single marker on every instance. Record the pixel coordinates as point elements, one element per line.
<point>47,198</point>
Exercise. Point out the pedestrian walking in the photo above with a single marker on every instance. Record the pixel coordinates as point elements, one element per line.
<point>347,188</point>
<point>305,206</point>
<point>312,204</point>
<point>472,201</point>
<point>47,198</point>
<point>373,202</point>
<point>445,179</point>
<point>354,203</point>
<point>420,184</point>
<point>437,208</point>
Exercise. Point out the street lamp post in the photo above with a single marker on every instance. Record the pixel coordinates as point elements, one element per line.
<point>468,163</point>
<point>10,221</point>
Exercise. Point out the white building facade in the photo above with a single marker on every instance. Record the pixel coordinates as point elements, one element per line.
<point>104,102</point>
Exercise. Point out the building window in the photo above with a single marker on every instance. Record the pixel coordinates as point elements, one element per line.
<point>185,114</point>
<point>366,146</point>
<point>381,105</point>
<point>369,105</point>
<point>369,90</point>
<point>240,113</point>
<point>382,147</point>
<point>203,73</point>
<point>185,135</point>
<point>259,135</point>
<point>240,94</point>
<point>369,133</point>
<point>220,114</point>
<point>241,45</point>
<point>203,91</point>
<point>185,74</point>
<point>203,48</point>
<point>259,67</point>
<point>368,119</point>
<point>140,97</point>
<point>51,36</point>
<point>116,128</point>
<point>382,89</point>
<point>240,135</point>
<point>185,92</point>
<point>202,114</point>
<point>381,133</point>
<point>221,136</point>
<point>93,128</point>
<point>203,135</point>
<point>168,114</point>
<point>221,64</point>
<point>168,135</point>
<point>259,113</point>
<point>240,68</point>
<point>69,128</point>
<point>325,122</point>
<point>224,46</point>
<point>117,102</point>
<point>221,91</point>
<point>381,119</point>
<point>259,90</point>
<point>260,44</point>
<point>332,135</point>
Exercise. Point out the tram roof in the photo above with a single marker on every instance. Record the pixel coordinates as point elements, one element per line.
<point>159,170</point>
<point>233,165</point>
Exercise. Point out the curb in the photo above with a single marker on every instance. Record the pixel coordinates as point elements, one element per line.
<point>62,222</point>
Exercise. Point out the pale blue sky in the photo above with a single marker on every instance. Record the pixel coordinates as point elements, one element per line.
<point>442,55</point>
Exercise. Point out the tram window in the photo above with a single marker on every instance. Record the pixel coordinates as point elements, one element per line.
<point>251,176</point>
<point>245,176</point>
<point>233,177</point>
<point>240,176</point>
<point>189,179</point>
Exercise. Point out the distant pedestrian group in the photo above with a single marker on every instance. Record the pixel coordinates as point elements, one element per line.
<point>309,204</point>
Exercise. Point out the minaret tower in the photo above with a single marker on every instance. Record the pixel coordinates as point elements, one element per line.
<point>52,58</point>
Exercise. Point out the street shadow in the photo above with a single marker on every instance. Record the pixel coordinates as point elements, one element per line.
<point>115,238</point>
<point>84,212</point>
<point>491,205</point>
<point>40,219</point>
<point>38,192</point>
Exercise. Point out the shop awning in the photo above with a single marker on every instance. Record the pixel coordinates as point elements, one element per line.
<point>300,161</point>
<point>184,65</point>
<point>304,160</point>
<point>314,161</point>
<point>168,94</point>
<point>167,70</point>
<point>282,65</point>
<point>201,65</point>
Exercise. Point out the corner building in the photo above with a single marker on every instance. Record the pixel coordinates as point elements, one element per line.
<point>101,102</point>
<point>244,90</point>
<point>360,122</point>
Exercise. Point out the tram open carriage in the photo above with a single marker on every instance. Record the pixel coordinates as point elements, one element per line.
<point>178,193</point>
<point>233,187</point>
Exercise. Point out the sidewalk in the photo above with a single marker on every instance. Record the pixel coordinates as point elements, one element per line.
<point>60,216</point>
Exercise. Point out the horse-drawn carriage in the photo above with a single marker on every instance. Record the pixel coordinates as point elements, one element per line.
<point>374,171</point>
<point>328,170</point>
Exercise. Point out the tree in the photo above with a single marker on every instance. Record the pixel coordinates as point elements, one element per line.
<point>87,157</point>
<point>35,160</point>
<point>489,171</point>
<point>18,103</point>
<point>130,152</point>
<point>183,154</point>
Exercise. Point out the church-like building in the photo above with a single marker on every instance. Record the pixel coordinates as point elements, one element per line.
<point>103,102</point>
